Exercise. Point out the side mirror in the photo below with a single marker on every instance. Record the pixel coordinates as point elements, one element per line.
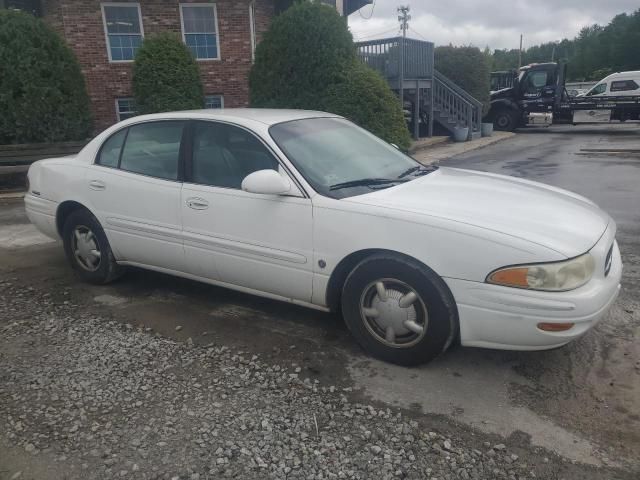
<point>266,182</point>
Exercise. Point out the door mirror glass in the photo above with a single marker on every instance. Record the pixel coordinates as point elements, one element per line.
<point>266,182</point>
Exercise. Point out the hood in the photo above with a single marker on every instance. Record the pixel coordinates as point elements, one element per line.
<point>554,218</point>
<point>503,93</point>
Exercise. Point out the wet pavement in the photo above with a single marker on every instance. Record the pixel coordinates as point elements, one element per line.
<point>581,402</point>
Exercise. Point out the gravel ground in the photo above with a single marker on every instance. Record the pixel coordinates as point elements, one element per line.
<point>88,397</point>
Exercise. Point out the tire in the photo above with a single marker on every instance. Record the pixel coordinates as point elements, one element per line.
<point>505,120</point>
<point>420,331</point>
<point>88,250</point>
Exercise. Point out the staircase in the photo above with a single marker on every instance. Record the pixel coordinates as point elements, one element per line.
<point>454,107</point>
<point>429,91</point>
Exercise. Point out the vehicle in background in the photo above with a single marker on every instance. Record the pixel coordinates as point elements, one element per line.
<point>576,92</point>
<point>617,85</point>
<point>539,97</point>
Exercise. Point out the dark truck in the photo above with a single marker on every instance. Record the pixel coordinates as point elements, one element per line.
<point>539,97</point>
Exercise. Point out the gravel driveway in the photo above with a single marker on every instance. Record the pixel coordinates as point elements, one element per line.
<point>82,396</point>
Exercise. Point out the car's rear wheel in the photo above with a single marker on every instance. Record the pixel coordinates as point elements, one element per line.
<point>399,310</point>
<point>87,249</point>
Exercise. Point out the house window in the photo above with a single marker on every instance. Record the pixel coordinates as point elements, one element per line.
<point>123,29</point>
<point>125,108</point>
<point>200,30</point>
<point>214,101</point>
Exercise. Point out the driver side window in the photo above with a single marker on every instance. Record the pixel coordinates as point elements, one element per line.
<point>223,155</point>
<point>535,81</point>
<point>598,89</point>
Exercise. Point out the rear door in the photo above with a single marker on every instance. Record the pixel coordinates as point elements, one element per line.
<point>134,187</point>
<point>260,242</point>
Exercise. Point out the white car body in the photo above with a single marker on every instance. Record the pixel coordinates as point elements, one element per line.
<point>462,224</point>
<point>620,84</point>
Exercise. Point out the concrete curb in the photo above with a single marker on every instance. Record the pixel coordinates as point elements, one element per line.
<point>450,149</point>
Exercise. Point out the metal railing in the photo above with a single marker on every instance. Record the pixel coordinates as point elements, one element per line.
<point>456,103</point>
<point>384,56</point>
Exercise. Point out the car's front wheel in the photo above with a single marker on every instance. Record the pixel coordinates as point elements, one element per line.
<point>399,310</point>
<point>87,249</point>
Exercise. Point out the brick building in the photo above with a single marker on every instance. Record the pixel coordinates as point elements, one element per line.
<point>105,35</point>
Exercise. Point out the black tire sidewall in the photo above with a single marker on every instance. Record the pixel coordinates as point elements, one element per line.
<point>442,325</point>
<point>108,269</point>
<point>510,124</point>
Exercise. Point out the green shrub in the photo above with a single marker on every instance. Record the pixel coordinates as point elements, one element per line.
<point>43,97</point>
<point>166,76</point>
<point>468,68</point>
<point>364,98</point>
<point>308,60</point>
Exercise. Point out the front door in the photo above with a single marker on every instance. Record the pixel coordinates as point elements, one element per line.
<point>134,189</point>
<point>259,242</point>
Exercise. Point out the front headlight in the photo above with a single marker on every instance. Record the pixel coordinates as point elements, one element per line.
<point>552,277</point>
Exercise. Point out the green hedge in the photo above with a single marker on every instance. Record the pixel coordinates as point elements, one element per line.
<point>365,99</point>
<point>43,97</point>
<point>166,76</point>
<point>468,68</point>
<point>308,60</point>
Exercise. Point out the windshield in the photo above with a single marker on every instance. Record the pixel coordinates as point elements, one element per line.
<point>340,159</point>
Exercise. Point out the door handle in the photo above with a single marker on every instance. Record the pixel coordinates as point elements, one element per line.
<point>97,185</point>
<point>197,203</point>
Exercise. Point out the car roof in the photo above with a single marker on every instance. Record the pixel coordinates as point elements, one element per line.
<point>267,116</point>
<point>629,74</point>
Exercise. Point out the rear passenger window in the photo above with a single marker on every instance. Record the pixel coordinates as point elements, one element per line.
<point>110,151</point>
<point>223,155</point>
<point>624,85</point>
<point>153,149</point>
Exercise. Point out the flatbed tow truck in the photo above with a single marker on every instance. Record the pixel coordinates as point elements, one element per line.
<point>539,97</point>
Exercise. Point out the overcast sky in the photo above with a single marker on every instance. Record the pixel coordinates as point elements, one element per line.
<point>497,23</point>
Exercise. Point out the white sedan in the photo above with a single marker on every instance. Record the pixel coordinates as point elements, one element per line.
<point>308,208</point>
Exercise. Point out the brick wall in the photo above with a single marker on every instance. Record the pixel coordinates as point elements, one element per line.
<point>80,21</point>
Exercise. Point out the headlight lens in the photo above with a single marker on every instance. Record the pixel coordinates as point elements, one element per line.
<point>554,277</point>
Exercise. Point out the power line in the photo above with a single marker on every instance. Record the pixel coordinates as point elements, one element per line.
<point>373,9</point>
<point>370,35</point>
<point>418,33</point>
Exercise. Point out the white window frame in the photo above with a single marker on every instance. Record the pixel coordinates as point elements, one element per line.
<point>215,18</point>
<point>118,107</point>
<point>106,31</point>
<point>252,28</point>
<point>215,95</point>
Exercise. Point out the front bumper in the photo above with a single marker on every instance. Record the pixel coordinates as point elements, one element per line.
<point>493,316</point>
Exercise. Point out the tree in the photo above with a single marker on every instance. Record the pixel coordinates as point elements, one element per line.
<point>308,60</point>
<point>594,52</point>
<point>166,76</point>
<point>468,68</point>
<point>43,97</point>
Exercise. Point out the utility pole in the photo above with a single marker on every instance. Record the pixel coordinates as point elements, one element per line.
<point>553,53</point>
<point>403,18</point>
<point>520,53</point>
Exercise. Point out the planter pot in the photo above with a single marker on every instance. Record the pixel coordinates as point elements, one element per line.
<point>460,134</point>
<point>486,129</point>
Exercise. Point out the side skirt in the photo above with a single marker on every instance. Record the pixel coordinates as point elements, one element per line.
<point>227,285</point>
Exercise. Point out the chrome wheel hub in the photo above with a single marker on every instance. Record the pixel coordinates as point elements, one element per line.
<point>86,248</point>
<point>393,313</point>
